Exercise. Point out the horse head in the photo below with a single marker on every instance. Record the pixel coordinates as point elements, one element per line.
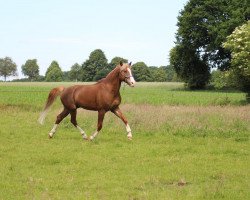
<point>126,74</point>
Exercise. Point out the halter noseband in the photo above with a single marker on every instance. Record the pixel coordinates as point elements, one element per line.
<point>127,77</point>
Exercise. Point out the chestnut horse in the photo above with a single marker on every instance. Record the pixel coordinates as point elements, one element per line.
<point>102,96</point>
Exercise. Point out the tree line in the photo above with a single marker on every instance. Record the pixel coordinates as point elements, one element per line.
<point>94,68</point>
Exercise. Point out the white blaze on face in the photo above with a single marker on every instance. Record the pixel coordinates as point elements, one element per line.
<point>131,78</point>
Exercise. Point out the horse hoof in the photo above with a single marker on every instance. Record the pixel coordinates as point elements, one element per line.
<point>50,136</point>
<point>85,138</point>
<point>91,138</point>
<point>129,138</point>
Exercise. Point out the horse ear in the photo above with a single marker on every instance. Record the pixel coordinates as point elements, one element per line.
<point>121,63</point>
<point>130,64</point>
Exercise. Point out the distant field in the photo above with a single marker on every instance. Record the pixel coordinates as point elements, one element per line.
<point>143,93</point>
<point>186,145</point>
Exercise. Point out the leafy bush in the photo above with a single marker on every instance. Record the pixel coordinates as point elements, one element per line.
<point>222,80</point>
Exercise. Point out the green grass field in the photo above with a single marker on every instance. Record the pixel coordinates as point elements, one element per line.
<point>186,145</point>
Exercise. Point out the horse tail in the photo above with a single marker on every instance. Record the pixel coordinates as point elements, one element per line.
<point>54,93</point>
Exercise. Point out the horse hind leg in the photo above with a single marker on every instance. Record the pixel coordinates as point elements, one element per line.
<point>74,122</point>
<point>59,118</point>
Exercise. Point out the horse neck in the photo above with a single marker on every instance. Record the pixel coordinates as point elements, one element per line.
<point>113,81</point>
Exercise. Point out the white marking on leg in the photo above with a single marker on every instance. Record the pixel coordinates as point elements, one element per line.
<point>53,130</point>
<point>84,136</point>
<point>94,135</point>
<point>128,129</point>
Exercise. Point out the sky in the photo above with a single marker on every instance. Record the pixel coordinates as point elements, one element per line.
<point>69,30</point>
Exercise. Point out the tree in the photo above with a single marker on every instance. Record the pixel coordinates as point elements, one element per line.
<point>141,72</point>
<point>238,44</point>
<point>105,70</point>
<point>202,28</point>
<point>189,67</point>
<point>97,62</point>
<point>158,74</point>
<point>7,67</point>
<point>54,73</point>
<point>75,72</point>
<point>40,78</point>
<point>222,79</point>
<point>31,69</point>
<point>115,61</point>
<point>66,76</point>
<point>170,73</point>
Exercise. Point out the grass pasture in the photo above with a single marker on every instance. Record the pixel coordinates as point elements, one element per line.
<point>186,145</point>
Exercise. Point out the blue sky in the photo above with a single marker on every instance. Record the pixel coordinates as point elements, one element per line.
<point>68,31</point>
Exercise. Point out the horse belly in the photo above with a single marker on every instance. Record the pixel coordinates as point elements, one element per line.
<point>87,101</point>
<point>93,97</point>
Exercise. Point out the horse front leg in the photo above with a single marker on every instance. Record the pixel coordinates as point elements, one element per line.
<point>101,115</point>
<point>119,114</point>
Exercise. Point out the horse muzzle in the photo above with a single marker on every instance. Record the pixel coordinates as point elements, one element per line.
<point>131,85</point>
<point>130,81</point>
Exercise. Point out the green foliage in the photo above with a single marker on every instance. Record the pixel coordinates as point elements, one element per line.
<point>40,78</point>
<point>141,72</point>
<point>31,69</point>
<point>158,74</point>
<point>101,74</point>
<point>7,67</point>
<point>75,73</point>
<point>54,73</point>
<point>206,24</point>
<point>202,28</point>
<point>97,67</point>
<point>189,67</point>
<point>116,61</point>
<point>94,67</point>
<point>239,45</point>
<point>222,80</point>
<point>219,79</point>
<point>163,74</point>
<point>66,76</point>
<point>170,73</point>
